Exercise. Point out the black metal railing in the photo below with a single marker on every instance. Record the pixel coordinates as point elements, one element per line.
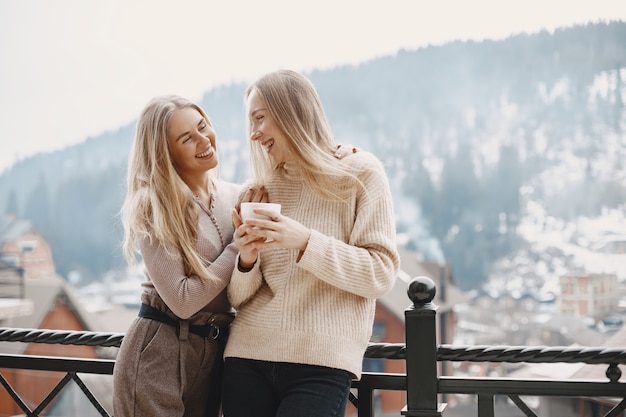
<point>423,386</point>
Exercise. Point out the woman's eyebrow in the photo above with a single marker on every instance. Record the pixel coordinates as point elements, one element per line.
<point>187,132</point>
<point>253,112</point>
<point>182,135</point>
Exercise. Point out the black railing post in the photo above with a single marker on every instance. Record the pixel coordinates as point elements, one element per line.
<point>421,351</point>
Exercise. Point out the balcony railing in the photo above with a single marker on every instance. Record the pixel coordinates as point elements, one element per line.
<point>423,386</point>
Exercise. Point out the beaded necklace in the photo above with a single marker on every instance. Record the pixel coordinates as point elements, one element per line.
<point>209,212</point>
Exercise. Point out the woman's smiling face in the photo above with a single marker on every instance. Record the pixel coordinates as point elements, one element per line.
<point>190,138</point>
<point>265,130</point>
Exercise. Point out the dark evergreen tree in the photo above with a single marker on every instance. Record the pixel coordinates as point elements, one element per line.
<point>38,207</point>
<point>12,206</point>
<point>91,237</point>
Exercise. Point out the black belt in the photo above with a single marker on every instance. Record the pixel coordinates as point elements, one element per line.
<point>207,330</point>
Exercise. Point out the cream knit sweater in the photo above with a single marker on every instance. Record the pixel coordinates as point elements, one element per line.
<point>319,310</point>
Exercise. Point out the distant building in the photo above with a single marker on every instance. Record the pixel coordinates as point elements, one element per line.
<point>12,293</point>
<point>24,254</point>
<point>22,246</point>
<point>589,295</point>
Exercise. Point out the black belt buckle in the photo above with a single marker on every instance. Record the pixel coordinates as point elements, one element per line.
<point>216,332</point>
<point>207,331</point>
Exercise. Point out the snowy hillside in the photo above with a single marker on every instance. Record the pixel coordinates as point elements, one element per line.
<point>555,248</point>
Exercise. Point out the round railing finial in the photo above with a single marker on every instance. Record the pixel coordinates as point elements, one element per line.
<point>421,290</point>
<point>613,373</point>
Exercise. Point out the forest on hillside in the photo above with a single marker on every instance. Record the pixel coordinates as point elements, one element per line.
<point>467,131</point>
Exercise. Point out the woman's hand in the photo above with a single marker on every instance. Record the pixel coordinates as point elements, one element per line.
<point>255,195</point>
<point>248,253</point>
<point>344,150</point>
<point>278,231</point>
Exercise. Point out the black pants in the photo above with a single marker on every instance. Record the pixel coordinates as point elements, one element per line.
<point>276,389</point>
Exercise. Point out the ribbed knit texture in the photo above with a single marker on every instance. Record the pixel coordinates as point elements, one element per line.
<point>319,310</point>
<point>185,295</point>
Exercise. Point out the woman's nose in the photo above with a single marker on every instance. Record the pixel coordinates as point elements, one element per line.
<point>255,135</point>
<point>203,140</point>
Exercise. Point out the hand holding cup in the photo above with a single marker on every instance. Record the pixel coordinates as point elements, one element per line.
<point>247,210</point>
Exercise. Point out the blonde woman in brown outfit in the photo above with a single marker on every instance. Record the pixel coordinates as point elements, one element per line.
<point>177,216</point>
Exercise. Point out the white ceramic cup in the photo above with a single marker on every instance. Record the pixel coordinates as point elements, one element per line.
<point>247,213</point>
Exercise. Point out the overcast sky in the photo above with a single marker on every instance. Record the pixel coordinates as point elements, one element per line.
<point>74,68</point>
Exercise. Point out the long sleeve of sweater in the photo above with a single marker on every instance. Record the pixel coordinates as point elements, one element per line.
<point>185,294</point>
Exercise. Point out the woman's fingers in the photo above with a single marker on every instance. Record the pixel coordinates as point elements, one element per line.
<point>344,150</point>
<point>236,218</point>
<point>258,194</point>
<point>254,195</point>
<point>248,195</point>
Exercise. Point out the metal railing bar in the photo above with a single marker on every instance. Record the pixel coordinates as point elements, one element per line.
<point>386,351</point>
<point>522,406</point>
<point>534,387</point>
<point>530,354</point>
<point>16,398</point>
<point>353,399</point>
<point>614,412</point>
<point>57,363</point>
<point>382,380</point>
<point>93,400</point>
<point>63,337</point>
<point>58,387</point>
<point>486,405</point>
<point>364,404</point>
<point>368,383</point>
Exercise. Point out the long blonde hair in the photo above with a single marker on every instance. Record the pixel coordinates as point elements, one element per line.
<point>294,104</point>
<point>158,203</point>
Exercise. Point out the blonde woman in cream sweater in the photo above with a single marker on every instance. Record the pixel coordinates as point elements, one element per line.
<point>306,280</point>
